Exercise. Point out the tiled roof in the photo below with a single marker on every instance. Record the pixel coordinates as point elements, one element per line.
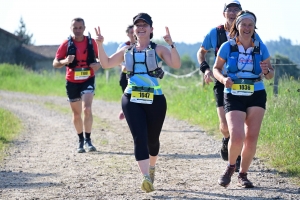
<point>10,34</point>
<point>42,51</point>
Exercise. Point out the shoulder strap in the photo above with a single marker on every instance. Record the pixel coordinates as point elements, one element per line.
<point>256,49</point>
<point>233,46</point>
<point>221,37</point>
<point>153,45</point>
<point>91,53</point>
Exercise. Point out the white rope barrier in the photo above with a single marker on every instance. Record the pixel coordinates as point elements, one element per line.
<point>181,76</point>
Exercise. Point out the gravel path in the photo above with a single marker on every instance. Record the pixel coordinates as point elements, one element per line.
<point>43,164</point>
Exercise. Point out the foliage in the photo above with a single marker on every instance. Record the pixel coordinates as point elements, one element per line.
<point>284,47</point>
<point>286,70</point>
<point>22,33</point>
<point>187,66</point>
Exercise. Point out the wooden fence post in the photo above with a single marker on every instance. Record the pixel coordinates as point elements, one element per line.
<point>276,77</point>
<point>107,75</point>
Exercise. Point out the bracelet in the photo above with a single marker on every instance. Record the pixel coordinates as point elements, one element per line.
<point>173,45</point>
<point>267,72</point>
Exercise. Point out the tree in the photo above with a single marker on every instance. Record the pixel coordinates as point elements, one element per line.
<point>22,33</point>
<point>285,67</point>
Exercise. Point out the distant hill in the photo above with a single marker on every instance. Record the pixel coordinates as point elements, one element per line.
<point>284,47</point>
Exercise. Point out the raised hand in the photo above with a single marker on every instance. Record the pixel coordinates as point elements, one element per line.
<point>99,38</point>
<point>167,37</point>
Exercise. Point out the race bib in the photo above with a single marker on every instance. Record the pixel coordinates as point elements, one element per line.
<point>242,87</point>
<point>81,73</point>
<point>142,95</point>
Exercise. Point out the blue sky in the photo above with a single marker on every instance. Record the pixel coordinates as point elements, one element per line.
<point>188,20</point>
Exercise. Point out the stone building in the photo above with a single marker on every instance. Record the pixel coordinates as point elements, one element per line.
<point>33,57</point>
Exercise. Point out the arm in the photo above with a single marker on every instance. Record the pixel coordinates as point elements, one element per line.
<point>265,65</point>
<point>59,63</point>
<point>105,61</point>
<point>204,67</point>
<point>267,69</point>
<point>171,57</point>
<point>61,59</point>
<point>217,71</point>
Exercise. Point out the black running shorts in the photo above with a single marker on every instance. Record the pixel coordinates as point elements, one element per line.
<point>241,103</point>
<point>219,93</point>
<point>75,90</point>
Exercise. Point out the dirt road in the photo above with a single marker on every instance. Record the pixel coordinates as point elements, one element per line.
<point>43,162</point>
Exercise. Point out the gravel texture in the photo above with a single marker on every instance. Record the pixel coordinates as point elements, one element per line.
<point>42,163</point>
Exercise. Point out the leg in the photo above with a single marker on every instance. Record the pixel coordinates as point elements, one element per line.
<point>235,120</point>
<point>253,121</point>
<point>87,100</point>
<point>77,120</point>
<point>155,120</point>
<point>219,97</point>
<point>123,84</point>
<point>223,123</point>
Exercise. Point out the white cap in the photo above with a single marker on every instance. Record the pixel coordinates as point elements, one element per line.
<point>229,3</point>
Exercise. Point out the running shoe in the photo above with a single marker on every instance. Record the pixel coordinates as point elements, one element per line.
<point>80,147</point>
<point>225,178</point>
<point>152,174</point>
<point>238,164</point>
<point>147,184</point>
<point>89,146</point>
<point>243,181</point>
<point>224,149</point>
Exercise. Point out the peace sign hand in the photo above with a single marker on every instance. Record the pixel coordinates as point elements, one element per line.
<point>99,38</point>
<point>167,37</point>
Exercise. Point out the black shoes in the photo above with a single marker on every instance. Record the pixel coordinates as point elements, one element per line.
<point>80,147</point>
<point>224,149</point>
<point>238,164</point>
<point>89,146</point>
<point>244,182</point>
<point>225,178</point>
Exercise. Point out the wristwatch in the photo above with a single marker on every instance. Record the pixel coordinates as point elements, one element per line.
<point>173,45</point>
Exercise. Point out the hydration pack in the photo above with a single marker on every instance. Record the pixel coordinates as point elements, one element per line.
<point>153,67</point>
<point>221,37</point>
<point>72,51</point>
<point>232,62</point>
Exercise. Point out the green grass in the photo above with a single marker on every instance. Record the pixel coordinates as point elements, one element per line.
<point>279,139</point>
<point>7,134</point>
<point>20,80</point>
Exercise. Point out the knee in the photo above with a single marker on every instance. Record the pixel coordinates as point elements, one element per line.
<point>223,127</point>
<point>237,139</point>
<point>76,115</point>
<point>251,141</point>
<point>153,147</point>
<point>87,110</point>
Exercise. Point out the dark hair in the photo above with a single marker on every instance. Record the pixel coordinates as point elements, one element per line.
<point>128,28</point>
<point>78,19</point>
<point>234,31</point>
